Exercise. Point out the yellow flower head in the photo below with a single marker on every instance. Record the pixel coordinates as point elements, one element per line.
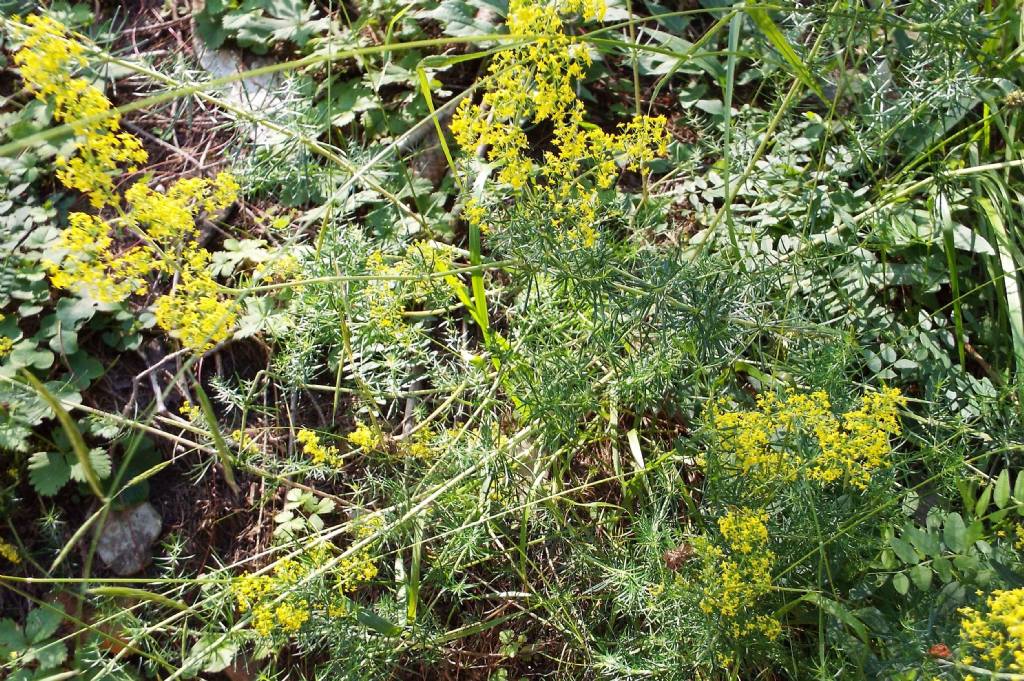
<point>535,82</point>
<point>994,634</point>
<point>9,552</point>
<point>770,439</point>
<point>318,453</point>
<point>196,313</point>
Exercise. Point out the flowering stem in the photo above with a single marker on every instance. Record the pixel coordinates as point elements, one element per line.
<point>1005,676</point>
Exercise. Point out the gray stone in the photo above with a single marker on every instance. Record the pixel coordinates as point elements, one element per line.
<point>125,543</point>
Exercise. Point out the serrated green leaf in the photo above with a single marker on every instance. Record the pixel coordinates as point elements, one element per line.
<point>41,623</point>
<point>70,429</point>
<point>51,654</point>
<point>48,472</point>
<point>100,460</point>
<point>11,638</point>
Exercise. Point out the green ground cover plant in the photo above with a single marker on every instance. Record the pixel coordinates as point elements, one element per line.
<point>538,339</point>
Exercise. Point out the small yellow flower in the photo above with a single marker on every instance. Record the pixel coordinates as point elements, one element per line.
<point>994,634</point>
<point>251,589</point>
<point>849,447</point>
<point>366,438</point>
<point>263,620</point>
<point>291,616</point>
<point>535,83</point>
<point>318,453</point>
<point>88,259</point>
<point>10,552</point>
<point>196,313</point>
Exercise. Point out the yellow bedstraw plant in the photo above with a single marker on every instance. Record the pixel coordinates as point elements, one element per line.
<point>735,577</point>
<point>782,440</point>
<point>319,454</point>
<point>273,598</point>
<point>9,552</point>
<point>770,441</point>
<point>993,636</point>
<point>6,344</point>
<point>89,257</point>
<point>535,83</point>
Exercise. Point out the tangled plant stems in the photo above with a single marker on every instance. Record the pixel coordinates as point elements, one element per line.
<point>90,258</point>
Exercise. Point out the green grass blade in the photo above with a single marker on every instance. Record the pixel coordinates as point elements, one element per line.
<point>224,454</point>
<point>1007,254</point>
<point>137,594</point>
<point>775,36</point>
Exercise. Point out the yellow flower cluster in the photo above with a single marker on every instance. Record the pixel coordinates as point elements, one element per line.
<point>6,344</point>
<point>367,438</point>
<point>245,442</point>
<point>401,279</point>
<point>47,61</point>
<point>283,267</point>
<point>292,617</point>
<point>272,599</point>
<point>87,259</point>
<point>195,313</point>
<point>772,440</point>
<point>191,412</point>
<point>382,297</point>
<point>9,551</point>
<point>420,445</point>
<point>744,530</point>
<point>249,590</point>
<point>90,267</point>
<point>861,443</point>
<point>168,218</point>
<point>995,635</point>
<point>735,577</point>
<point>532,83</point>
<point>318,453</point>
<point>354,570</point>
<point>359,567</point>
